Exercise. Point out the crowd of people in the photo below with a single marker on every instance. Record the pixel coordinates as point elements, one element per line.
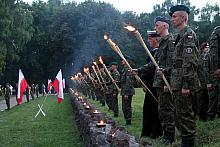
<point>192,71</point>
<point>32,92</point>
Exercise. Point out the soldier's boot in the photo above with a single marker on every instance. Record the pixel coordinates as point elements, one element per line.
<point>188,143</point>
<point>168,138</point>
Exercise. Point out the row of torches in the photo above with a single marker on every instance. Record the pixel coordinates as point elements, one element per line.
<point>118,51</point>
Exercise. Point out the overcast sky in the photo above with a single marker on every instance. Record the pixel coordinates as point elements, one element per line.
<point>139,6</point>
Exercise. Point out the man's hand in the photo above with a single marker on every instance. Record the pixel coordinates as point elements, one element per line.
<point>209,86</point>
<point>165,89</point>
<point>113,81</point>
<point>125,97</point>
<point>160,71</point>
<point>217,73</point>
<point>185,92</point>
<point>133,71</point>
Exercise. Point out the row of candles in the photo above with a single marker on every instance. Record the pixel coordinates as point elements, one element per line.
<point>101,123</point>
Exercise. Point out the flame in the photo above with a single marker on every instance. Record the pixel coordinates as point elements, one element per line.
<point>100,60</point>
<point>130,28</point>
<point>105,37</point>
<point>96,111</point>
<point>101,122</point>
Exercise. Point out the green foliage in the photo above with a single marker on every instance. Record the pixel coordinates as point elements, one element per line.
<point>43,37</point>
<point>57,128</point>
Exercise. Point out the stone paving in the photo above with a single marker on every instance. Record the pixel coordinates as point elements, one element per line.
<point>13,102</point>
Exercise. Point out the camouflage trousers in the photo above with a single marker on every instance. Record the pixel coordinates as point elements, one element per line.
<point>184,115</point>
<point>7,100</point>
<point>109,101</point>
<point>166,111</point>
<point>214,101</point>
<point>201,103</point>
<point>115,102</point>
<point>126,107</point>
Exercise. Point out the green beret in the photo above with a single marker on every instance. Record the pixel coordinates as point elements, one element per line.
<point>114,63</point>
<point>162,19</point>
<point>152,34</point>
<point>179,8</point>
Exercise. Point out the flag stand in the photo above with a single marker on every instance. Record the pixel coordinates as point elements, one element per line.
<point>40,108</point>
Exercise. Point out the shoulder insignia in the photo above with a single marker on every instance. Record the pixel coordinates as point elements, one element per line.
<point>188,50</point>
<point>189,36</point>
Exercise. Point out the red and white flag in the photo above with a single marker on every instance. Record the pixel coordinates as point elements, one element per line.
<point>22,85</point>
<point>64,83</point>
<point>49,84</point>
<point>58,86</point>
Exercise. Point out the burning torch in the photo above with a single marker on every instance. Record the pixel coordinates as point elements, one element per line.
<point>118,51</point>
<point>140,39</point>
<point>103,64</point>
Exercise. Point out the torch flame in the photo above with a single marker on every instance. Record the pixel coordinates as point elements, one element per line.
<point>130,28</point>
<point>101,122</point>
<point>105,37</point>
<point>100,60</point>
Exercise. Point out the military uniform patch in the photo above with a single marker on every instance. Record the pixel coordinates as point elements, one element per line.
<point>188,50</point>
<point>189,36</point>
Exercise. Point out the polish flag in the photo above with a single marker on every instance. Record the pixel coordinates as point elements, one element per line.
<point>58,86</point>
<point>22,85</point>
<point>49,84</point>
<point>64,83</point>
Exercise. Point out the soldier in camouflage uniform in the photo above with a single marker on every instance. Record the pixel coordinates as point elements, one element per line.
<point>127,92</point>
<point>27,92</point>
<point>163,58</point>
<point>214,101</point>
<point>184,77</point>
<point>32,91</point>
<point>114,92</point>
<point>37,90</point>
<point>7,92</point>
<point>108,92</point>
<point>202,97</point>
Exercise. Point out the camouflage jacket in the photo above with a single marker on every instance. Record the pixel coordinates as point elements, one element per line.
<point>185,61</point>
<point>204,73</point>
<point>163,58</point>
<point>214,54</point>
<point>116,76</point>
<point>127,82</point>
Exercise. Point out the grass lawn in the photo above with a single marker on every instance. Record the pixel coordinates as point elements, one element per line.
<point>208,133</point>
<point>19,128</point>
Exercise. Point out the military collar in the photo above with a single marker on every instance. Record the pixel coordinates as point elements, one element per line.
<point>181,33</point>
